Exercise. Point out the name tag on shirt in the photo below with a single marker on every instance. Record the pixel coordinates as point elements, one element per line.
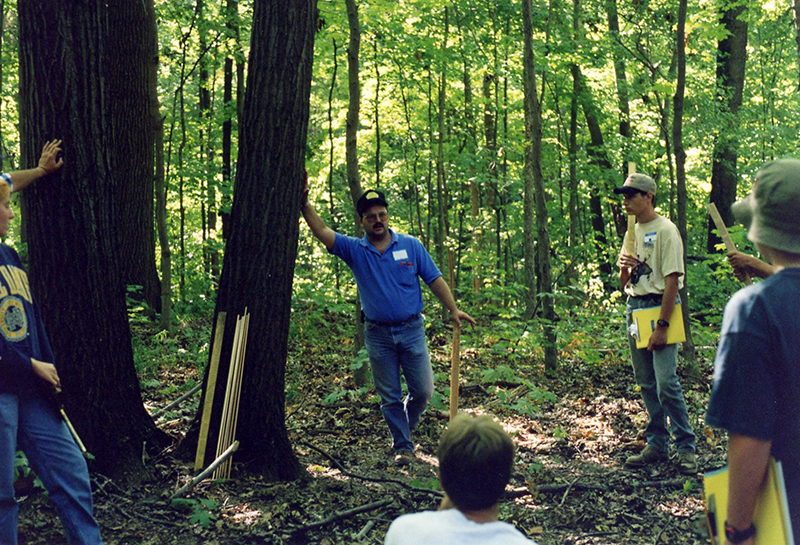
<point>650,239</point>
<point>399,255</point>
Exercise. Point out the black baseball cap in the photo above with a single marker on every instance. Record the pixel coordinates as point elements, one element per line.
<point>370,198</point>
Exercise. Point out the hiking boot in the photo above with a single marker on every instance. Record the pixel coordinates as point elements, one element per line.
<point>686,462</point>
<point>403,457</point>
<point>646,457</point>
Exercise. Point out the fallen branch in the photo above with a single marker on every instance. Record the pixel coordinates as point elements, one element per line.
<point>159,412</point>
<point>344,514</point>
<point>206,472</point>
<point>567,487</point>
<point>346,473</point>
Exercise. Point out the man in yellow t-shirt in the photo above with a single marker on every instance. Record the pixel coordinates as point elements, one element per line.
<point>652,277</point>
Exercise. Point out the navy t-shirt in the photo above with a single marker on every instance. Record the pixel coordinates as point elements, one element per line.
<point>756,389</point>
<point>22,334</point>
<point>388,283</point>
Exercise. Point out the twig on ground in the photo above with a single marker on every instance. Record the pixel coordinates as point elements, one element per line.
<point>346,473</point>
<point>566,492</point>
<point>344,514</point>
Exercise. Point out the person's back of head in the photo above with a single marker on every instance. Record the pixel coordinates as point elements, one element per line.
<point>475,460</point>
<point>770,212</point>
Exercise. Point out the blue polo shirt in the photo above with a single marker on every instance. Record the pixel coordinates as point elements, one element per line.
<point>388,283</point>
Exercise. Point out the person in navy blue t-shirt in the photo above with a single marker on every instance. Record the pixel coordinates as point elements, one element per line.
<point>756,390</point>
<point>28,418</point>
<point>386,266</point>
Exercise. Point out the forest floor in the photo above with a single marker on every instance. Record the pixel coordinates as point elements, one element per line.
<point>569,486</point>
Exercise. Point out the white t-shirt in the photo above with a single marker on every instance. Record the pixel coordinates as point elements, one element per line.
<point>659,248</point>
<point>451,527</point>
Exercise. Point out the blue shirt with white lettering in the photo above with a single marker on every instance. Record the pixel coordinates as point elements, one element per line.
<point>388,283</point>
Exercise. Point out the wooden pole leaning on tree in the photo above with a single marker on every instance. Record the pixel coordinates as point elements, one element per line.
<point>230,409</point>
<point>211,385</point>
<point>723,233</point>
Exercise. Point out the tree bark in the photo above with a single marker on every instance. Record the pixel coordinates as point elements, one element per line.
<point>260,254</point>
<point>76,271</point>
<point>731,60</point>
<point>128,91</point>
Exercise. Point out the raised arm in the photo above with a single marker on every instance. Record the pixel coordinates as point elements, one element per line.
<point>324,234</point>
<point>745,266</point>
<point>49,162</point>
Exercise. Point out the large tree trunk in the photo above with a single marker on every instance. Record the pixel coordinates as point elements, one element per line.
<point>351,158</point>
<point>260,254</point>
<point>67,92</point>
<point>731,59</point>
<point>128,92</point>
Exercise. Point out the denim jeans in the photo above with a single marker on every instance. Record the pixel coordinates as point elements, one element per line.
<point>390,349</point>
<point>37,429</point>
<point>656,375</point>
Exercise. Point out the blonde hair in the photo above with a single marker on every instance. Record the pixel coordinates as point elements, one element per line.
<point>475,460</point>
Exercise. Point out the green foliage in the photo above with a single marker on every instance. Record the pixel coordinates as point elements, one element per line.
<point>22,469</point>
<point>430,484</point>
<point>199,510</point>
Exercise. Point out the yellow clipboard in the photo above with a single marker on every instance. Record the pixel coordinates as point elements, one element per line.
<point>771,517</point>
<point>643,323</point>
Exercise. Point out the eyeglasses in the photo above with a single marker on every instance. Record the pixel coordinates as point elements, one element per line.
<point>372,218</point>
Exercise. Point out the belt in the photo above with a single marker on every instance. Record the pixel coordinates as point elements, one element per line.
<point>394,324</point>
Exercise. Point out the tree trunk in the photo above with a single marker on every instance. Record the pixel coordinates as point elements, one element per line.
<point>128,91</point>
<point>534,185</point>
<point>351,158</point>
<point>75,271</point>
<point>157,126</point>
<point>258,270</point>
<point>731,60</point>
<point>441,204</point>
<point>680,170</point>
<point>599,158</point>
<point>622,84</point>
<point>796,20</point>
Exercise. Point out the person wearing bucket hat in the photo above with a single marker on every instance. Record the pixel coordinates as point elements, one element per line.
<point>387,267</point>
<point>746,266</point>
<point>757,367</point>
<point>652,277</point>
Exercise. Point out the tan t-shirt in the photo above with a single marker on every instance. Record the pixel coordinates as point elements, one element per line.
<point>660,250</point>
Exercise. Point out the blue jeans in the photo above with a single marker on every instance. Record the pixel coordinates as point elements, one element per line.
<point>37,428</point>
<point>390,349</point>
<point>656,375</point>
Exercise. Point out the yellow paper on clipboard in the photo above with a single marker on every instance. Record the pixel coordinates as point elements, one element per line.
<point>771,516</point>
<point>643,323</point>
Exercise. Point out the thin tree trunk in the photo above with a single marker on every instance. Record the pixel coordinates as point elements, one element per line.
<point>441,205</point>
<point>351,157</point>
<point>680,169</point>
<point>534,191</point>
<point>330,157</point>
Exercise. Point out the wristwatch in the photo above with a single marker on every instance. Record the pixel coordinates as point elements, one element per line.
<point>734,535</point>
<point>662,323</point>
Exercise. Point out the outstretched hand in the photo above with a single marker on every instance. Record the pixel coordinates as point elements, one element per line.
<point>50,161</point>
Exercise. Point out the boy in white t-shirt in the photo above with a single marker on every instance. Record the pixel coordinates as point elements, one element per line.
<point>475,461</point>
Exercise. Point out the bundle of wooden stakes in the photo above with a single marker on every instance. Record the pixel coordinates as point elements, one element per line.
<point>230,409</point>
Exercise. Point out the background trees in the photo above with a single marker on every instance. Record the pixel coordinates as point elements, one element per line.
<point>441,129</point>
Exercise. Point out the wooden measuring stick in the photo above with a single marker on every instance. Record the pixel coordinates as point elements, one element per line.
<point>723,233</point>
<point>224,426</point>
<point>211,386</point>
<point>237,386</point>
<point>455,364</point>
<point>630,241</point>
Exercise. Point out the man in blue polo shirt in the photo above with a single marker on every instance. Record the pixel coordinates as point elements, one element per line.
<point>386,265</point>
